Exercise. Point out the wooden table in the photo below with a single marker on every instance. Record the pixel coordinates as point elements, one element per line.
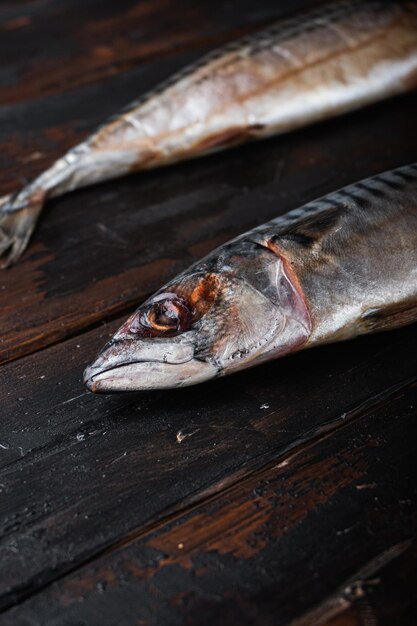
<point>283,495</point>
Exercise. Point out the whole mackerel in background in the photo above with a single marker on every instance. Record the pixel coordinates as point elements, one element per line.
<point>338,267</point>
<point>302,70</point>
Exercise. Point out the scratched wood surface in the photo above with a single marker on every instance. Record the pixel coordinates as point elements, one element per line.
<point>284,495</point>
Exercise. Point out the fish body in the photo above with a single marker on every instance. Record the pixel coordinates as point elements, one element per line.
<point>338,267</point>
<point>299,71</point>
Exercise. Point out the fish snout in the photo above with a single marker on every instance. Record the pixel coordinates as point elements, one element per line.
<point>125,365</point>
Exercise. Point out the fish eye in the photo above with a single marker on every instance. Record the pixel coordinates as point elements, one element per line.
<point>168,314</point>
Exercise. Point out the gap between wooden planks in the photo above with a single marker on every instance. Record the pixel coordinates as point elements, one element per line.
<point>61,433</point>
<point>238,521</point>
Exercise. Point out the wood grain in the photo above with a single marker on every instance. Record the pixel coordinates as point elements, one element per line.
<point>100,251</point>
<point>284,495</point>
<point>363,599</point>
<point>53,49</point>
<point>126,449</point>
<point>261,549</point>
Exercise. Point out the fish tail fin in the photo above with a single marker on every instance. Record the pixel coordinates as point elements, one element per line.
<point>17,222</point>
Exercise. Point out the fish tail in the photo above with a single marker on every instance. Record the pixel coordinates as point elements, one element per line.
<point>18,217</point>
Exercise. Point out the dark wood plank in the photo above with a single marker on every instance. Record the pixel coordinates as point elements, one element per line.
<point>50,47</point>
<point>89,42</point>
<point>322,518</point>
<point>383,592</point>
<point>284,493</point>
<point>79,472</point>
<point>51,101</point>
<point>102,250</point>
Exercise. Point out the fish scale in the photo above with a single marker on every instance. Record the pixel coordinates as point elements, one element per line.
<point>338,267</point>
<point>359,192</point>
<point>298,71</point>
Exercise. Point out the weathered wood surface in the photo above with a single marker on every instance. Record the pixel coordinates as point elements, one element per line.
<point>64,69</point>
<point>99,251</point>
<point>273,499</point>
<point>284,495</point>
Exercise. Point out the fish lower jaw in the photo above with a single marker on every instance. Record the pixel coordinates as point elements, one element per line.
<point>146,376</point>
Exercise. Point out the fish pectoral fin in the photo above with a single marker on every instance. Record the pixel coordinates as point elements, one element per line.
<point>389,316</point>
<point>16,228</point>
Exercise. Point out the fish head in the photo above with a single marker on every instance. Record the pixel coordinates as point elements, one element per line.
<point>208,322</point>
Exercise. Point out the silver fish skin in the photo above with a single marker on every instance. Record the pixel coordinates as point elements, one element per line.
<point>338,267</point>
<point>323,63</point>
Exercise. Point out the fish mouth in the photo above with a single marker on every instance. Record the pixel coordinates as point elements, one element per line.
<point>110,374</point>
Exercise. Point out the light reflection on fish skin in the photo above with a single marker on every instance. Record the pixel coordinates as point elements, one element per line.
<point>325,272</point>
<point>299,71</point>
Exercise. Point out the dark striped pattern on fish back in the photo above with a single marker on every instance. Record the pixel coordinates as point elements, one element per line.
<point>327,15</point>
<point>353,251</point>
<point>278,33</point>
<point>363,194</point>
